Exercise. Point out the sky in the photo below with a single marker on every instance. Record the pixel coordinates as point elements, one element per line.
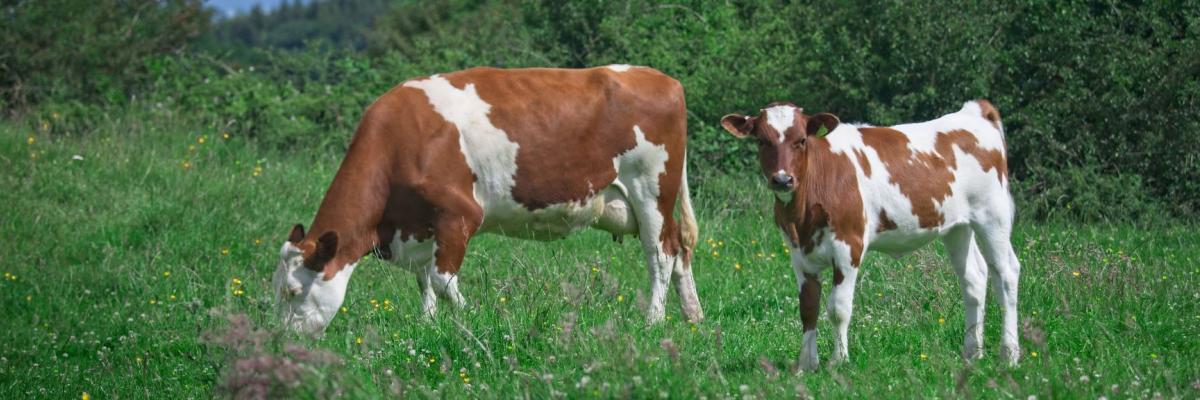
<point>232,7</point>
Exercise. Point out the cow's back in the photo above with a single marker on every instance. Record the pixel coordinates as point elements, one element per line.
<point>927,176</point>
<point>542,143</point>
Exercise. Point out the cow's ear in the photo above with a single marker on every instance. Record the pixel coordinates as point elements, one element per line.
<point>821,124</point>
<point>738,125</point>
<point>325,249</point>
<point>297,234</point>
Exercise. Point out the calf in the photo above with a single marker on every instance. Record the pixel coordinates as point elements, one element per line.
<point>841,190</point>
<point>527,153</point>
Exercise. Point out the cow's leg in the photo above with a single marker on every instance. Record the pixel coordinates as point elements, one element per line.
<point>840,307</point>
<point>972,278</point>
<point>451,233</point>
<point>810,307</point>
<point>416,256</point>
<point>681,277</point>
<point>660,263</point>
<point>428,298</point>
<point>994,237</point>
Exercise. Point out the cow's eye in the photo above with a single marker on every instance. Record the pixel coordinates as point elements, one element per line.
<point>798,144</point>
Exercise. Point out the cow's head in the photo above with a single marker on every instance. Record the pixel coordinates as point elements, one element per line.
<point>308,290</point>
<point>783,132</point>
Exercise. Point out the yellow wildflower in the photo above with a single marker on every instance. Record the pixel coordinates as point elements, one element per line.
<point>923,356</point>
<point>503,299</point>
<point>202,139</point>
<point>224,251</point>
<point>31,140</point>
<point>186,165</point>
<point>620,297</point>
<point>1033,354</point>
<point>166,274</point>
<point>1075,273</point>
<point>86,396</point>
<point>737,266</point>
<point>941,320</point>
<point>358,340</point>
<point>225,135</point>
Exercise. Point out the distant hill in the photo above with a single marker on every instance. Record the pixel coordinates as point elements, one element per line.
<point>342,24</point>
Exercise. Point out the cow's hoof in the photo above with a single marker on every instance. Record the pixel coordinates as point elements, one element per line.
<point>1010,355</point>
<point>809,363</point>
<point>970,354</point>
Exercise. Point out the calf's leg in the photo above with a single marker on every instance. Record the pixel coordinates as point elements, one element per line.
<point>810,307</point>
<point>972,278</point>
<point>994,243</point>
<point>840,307</point>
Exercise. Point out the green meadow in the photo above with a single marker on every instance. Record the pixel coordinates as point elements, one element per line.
<point>137,261</point>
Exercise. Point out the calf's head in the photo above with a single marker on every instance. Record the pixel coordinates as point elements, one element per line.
<point>308,291</point>
<point>783,133</point>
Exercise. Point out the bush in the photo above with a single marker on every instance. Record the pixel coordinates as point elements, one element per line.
<point>1099,99</point>
<point>90,51</point>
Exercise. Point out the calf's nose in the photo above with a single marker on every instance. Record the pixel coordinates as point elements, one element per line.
<point>783,181</point>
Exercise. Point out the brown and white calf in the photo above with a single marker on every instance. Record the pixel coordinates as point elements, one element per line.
<point>891,190</point>
<point>526,153</point>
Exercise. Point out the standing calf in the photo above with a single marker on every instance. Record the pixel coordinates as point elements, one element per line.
<point>892,190</point>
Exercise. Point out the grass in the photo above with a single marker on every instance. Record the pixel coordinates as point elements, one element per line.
<point>122,271</point>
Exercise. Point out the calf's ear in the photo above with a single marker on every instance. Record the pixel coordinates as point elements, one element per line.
<point>738,125</point>
<point>821,124</point>
<point>297,234</point>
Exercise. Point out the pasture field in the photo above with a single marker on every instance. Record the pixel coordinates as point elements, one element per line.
<point>142,270</point>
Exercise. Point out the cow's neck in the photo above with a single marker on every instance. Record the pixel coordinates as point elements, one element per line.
<point>354,204</point>
<point>809,207</point>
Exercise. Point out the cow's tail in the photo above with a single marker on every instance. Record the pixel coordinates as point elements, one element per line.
<point>989,112</point>
<point>688,231</point>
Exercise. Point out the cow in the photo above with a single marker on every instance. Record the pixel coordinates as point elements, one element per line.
<point>533,153</point>
<point>843,189</point>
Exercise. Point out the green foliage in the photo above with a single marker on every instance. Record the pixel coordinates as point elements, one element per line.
<point>1099,99</point>
<point>87,50</point>
<point>341,24</point>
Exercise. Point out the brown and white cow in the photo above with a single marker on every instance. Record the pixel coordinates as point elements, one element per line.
<point>891,190</point>
<point>526,153</point>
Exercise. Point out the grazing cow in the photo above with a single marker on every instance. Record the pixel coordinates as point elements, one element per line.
<point>527,153</point>
<point>892,190</point>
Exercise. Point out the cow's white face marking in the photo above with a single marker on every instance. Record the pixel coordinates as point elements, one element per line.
<point>304,301</point>
<point>781,118</point>
<point>619,67</point>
